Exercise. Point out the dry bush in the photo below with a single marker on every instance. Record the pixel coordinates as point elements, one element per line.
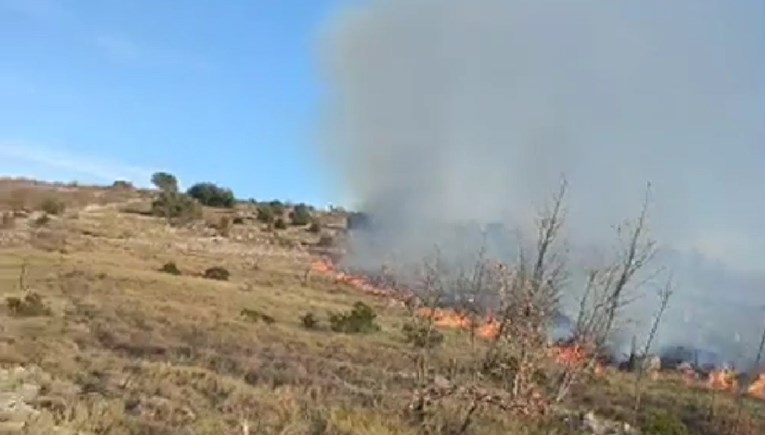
<point>523,374</point>
<point>42,220</point>
<point>31,305</point>
<point>326,241</point>
<point>254,316</point>
<point>52,206</point>
<point>309,321</point>
<point>8,221</point>
<point>224,226</point>
<point>359,320</point>
<point>49,238</point>
<point>280,224</point>
<point>217,273</point>
<point>421,335</point>
<point>170,268</point>
<point>315,227</point>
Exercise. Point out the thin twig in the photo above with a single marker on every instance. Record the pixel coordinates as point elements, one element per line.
<point>665,294</point>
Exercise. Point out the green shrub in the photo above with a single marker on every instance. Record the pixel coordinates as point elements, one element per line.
<point>359,320</point>
<point>300,215</point>
<point>280,224</point>
<point>42,220</point>
<point>52,206</point>
<point>309,321</point>
<point>122,185</point>
<point>30,306</point>
<point>170,268</point>
<point>266,214</point>
<point>212,195</point>
<point>663,423</point>
<point>176,207</point>
<point>165,182</point>
<point>277,207</point>
<point>217,273</point>
<point>421,335</point>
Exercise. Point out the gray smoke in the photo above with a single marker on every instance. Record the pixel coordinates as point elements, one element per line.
<point>467,112</point>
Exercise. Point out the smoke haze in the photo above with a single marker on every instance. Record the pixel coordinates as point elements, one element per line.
<point>447,111</point>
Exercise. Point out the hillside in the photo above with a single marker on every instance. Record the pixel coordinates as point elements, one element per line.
<point>101,340</point>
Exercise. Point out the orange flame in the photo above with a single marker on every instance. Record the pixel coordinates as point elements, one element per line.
<point>690,377</point>
<point>757,389</point>
<point>444,318</point>
<point>569,356</point>
<point>722,380</point>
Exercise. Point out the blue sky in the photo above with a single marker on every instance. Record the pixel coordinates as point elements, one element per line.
<point>225,91</point>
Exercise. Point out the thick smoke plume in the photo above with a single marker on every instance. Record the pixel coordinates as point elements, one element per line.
<point>468,112</point>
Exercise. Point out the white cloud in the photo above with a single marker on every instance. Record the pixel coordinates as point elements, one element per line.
<point>28,160</point>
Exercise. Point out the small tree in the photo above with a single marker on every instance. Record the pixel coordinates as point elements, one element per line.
<point>301,215</point>
<point>52,206</point>
<point>165,182</point>
<point>217,273</point>
<point>279,224</point>
<point>266,214</point>
<point>212,195</point>
<point>277,207</point>
<point>359,320</point>
<point>176,207</point>
<point>122,185</point>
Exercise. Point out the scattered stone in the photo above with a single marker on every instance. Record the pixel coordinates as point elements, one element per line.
<point>591,424</point>
<point>653,363</point>
<point>595,425</point>
<point>16,393</point>
<point>441,382</point>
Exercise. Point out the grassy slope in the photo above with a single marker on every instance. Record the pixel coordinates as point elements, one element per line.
<point>129,349</point>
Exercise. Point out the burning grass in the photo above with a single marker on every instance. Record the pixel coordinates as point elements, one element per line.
<point>127,348</point>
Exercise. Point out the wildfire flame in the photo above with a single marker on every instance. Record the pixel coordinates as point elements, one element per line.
<point>757,389</point>
<point>566,355</point>
<point>488,329</point>
<point>722,380</point>
<point>690,377</point>
<point>569,356</point>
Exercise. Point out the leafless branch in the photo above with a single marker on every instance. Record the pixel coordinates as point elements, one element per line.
<point>664,296</point>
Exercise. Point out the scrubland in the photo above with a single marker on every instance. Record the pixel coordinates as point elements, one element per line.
<point>100,334</point>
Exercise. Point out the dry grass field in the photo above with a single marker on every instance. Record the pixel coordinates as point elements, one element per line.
<point>114,345</point>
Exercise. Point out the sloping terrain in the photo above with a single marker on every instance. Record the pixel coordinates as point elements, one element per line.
<point>101,340</point>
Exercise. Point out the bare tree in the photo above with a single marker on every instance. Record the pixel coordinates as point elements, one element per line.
<point>606,296</point>
<point>664,296</point>
<point>510,371</point>
<point>740,397</point>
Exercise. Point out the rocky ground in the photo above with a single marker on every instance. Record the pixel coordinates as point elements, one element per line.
<point>110,343</point>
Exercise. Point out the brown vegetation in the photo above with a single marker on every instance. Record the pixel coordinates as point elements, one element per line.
<point>113,345</point>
